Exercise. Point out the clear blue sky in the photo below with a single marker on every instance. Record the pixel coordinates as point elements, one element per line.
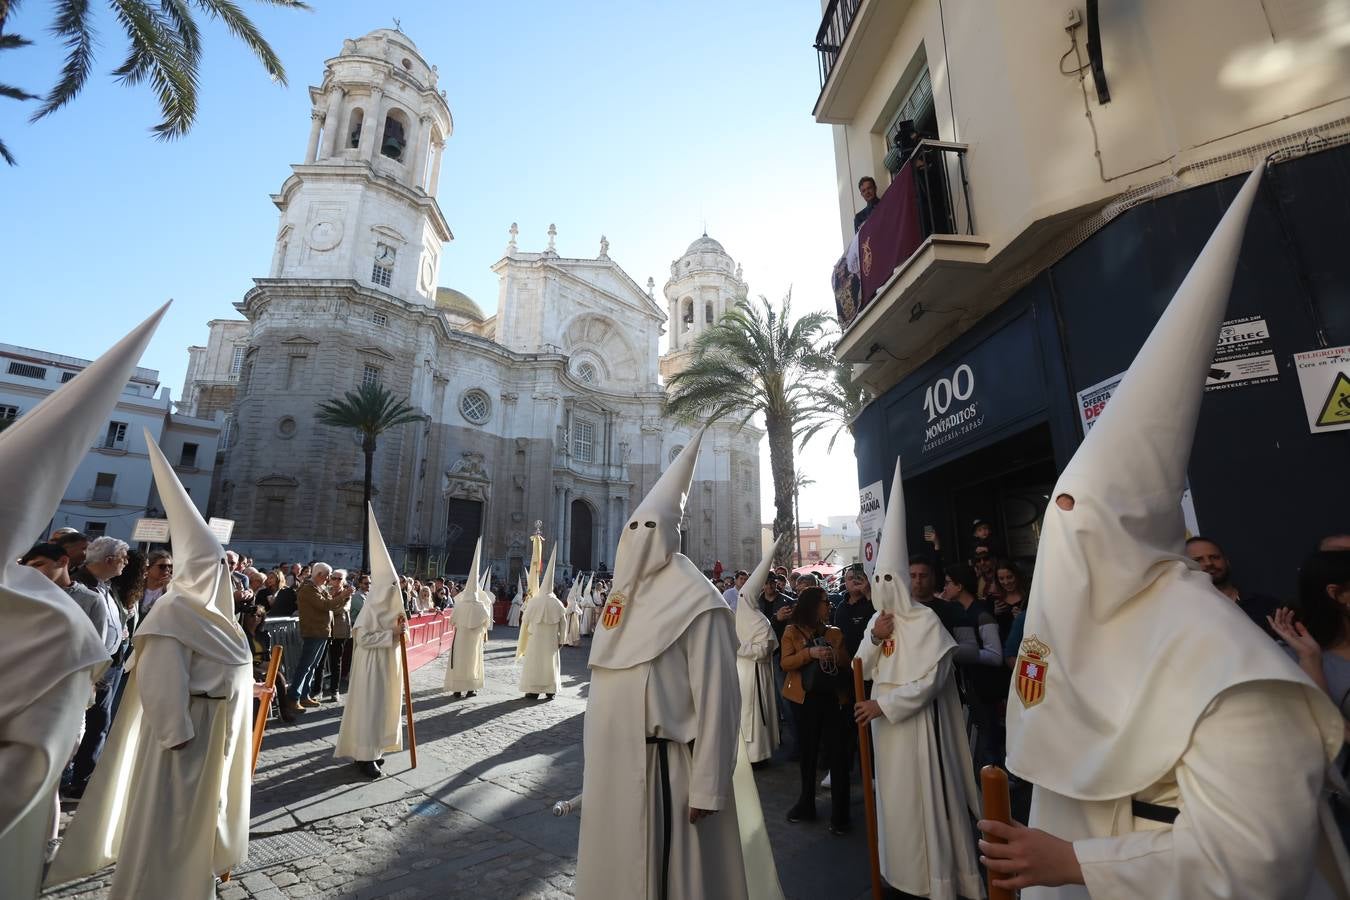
<point>642,121</point>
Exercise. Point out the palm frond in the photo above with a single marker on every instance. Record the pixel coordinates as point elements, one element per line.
<point>242,27</point>
<point>14,93</point>
<point>72,24</point>
<point>158,55</point>
<point>371,409</point>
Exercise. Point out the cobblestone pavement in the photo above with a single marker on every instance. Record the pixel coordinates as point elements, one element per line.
<point>474,818</point>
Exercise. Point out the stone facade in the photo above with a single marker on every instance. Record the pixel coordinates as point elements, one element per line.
<point>550,410</point>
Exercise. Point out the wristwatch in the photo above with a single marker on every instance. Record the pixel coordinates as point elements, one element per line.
<point>875,642</point>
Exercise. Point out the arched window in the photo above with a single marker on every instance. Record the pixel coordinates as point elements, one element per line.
<point>358,118</point>
<point>708,312</point>
<point>587,372</point>
<point>395,139</point>
<point>688,312</point>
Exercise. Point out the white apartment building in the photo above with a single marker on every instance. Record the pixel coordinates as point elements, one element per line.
<point>1049,171</point>
<point>113,486</point>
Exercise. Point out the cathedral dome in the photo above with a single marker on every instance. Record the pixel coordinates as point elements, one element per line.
<point>705,244</point>
<point>458,303</point>
<point>704,255</point>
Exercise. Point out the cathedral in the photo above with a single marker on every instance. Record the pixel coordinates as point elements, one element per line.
<point>548,411</point>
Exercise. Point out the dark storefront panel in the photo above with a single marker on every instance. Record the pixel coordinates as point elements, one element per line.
<point>1263,486</point>
<point>981,394</point>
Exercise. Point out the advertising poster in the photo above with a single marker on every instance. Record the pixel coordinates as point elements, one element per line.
<point>871,516</point>
<point>1091,402</point>
<point>1243,355</point>
<point>1324,376</point>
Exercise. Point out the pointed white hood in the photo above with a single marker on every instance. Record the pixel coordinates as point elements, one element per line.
<point>752,626</point>
<point>920,641</point>
<point>656,591</point>
<point>47,637</point>
<point>545,608</point>
<point>469,611</point>
<point>1131,642</point>
<point>384,601</point>
<point>197,608</point>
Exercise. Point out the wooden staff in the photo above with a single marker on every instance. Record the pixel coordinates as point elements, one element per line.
<point>407,698</point>
<point>869,798</point>
<point>997,808</point>
<point>264,693</point>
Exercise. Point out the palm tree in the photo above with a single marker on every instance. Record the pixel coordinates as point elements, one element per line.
<point>757,360</point>
<point>799,481</point>
<point>371,410</point>
<point>835,408</point>
<point>165,50</point>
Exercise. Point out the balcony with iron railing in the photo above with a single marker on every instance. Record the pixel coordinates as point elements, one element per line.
<point>853,39</point>
<point>918,252</point>
<point>834,28</point>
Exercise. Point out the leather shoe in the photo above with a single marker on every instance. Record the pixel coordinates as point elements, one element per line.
<point>368,769</point>
<point>797,814</point>
<point>307,703</point>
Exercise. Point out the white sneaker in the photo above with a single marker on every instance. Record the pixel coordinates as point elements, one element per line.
<point>826,782</point>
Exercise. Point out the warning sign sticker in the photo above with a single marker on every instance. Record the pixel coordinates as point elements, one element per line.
<point>1324,376</point>
<point>1243,355</point>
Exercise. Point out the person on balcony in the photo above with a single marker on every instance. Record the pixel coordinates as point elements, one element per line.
<point>867,187</point>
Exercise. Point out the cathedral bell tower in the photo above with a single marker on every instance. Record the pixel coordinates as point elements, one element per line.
<point>704,284</point>
<point>362,206</point>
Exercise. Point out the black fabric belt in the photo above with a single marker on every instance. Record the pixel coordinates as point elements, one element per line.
<point>207,697</point>
<point>663,761</point>
<point>761,696</point>
<point>1153,812</point>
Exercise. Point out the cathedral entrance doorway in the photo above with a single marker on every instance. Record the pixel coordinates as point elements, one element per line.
<point>464,523</point>
<point>583,529</point>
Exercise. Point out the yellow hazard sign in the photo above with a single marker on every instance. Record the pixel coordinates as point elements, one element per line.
<point>1324,377</point>
<point>1336,408</point>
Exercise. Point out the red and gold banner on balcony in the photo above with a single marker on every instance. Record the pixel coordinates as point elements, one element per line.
<point>890,235</point>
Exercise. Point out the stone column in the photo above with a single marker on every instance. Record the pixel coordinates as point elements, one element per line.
<point>316,126</point>
<point>419,160</point>
<point>565,533</point>
<point>557,516</point>
<point>330,122</point>
<point>370,125</point>
<point>434,182</point>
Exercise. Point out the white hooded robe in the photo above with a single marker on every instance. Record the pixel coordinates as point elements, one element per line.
<point>1138,681</point>
<point>191,681</point>
<point>543,629</point>
<point>927,801</point>
<point>662,731</point>
<point>756,643</point>
<point>372,716</point>
<point>470,619</point>
<point>51,654</point>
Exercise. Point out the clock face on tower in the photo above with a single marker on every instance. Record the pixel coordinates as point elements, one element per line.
<point>325,235</point>
<point>384,254</point>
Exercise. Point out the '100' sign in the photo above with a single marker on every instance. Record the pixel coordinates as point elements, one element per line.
<point>938,398</point>
<point>950,416</point>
